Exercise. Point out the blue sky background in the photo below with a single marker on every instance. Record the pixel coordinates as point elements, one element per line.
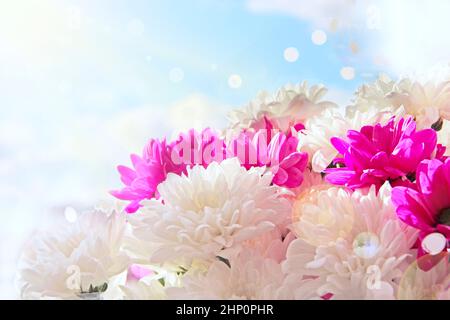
<point>84,83</point>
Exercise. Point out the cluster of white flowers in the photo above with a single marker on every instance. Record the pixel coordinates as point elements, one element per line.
<point>226,230</point>
<point>425,99</point>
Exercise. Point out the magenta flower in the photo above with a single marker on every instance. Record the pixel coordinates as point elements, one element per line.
<point>380,153</point>
<point>426,207</point>
<point>276,151</point>
<point>158,159</point>
<point>148,172</point>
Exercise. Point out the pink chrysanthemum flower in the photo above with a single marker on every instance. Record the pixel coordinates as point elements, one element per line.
<point>380,153</point>
<point>426,207</point>
<point>159,158</point>
<point>148,171</point>
<point>277,151</point>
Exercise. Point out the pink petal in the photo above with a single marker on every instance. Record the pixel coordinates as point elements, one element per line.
<point>127,175</point>
<point>295,178</point>
<point>124,194</point>
<point>280,177</point>
<point>433,184</point>
<point>411,209</point>
<point>340,145</point>
<point>338,176</point>
<point>133,206</point>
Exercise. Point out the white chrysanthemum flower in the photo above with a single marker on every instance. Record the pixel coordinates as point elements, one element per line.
<point>373,95</point>
<point>365,263</point>
<point>247,276</point>
<point>209,212</point>
<point>323,214</point>
<point>315,138</point>
<point>427,100</point>
<point>288,106</point>
<point>419,284</point>
<point>76,260</point>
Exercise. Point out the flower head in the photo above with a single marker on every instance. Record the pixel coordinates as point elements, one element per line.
<point>148,172</point>
<point>364,261</point>
<point>322,214</point>
<point>380,153</point>
<point>427,206</point>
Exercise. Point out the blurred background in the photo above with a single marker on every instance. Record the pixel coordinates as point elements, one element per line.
<point>85,83</point>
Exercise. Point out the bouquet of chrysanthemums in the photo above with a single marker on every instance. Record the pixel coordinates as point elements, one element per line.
<point>297,199</point>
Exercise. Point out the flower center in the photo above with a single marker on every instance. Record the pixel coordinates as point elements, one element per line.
<point>411,176</point>
<point>444,217</point>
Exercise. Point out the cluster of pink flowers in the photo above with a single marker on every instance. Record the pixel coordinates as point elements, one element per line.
<point>264,148</point>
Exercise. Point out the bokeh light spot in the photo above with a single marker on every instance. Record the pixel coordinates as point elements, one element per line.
<point>434,243</point>
<point>235,81</point>
<point>291,54</point>
<point>319,37</point>
<point>348,73</point>
<point>70,214</point>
